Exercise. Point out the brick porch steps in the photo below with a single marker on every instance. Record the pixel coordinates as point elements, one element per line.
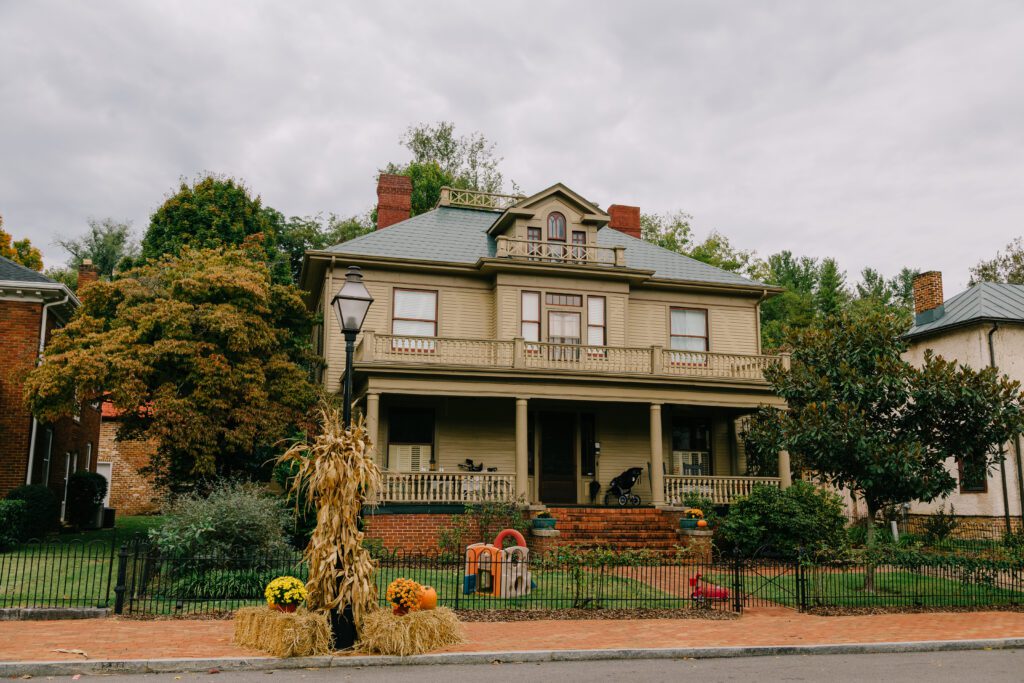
<point>617,528</point>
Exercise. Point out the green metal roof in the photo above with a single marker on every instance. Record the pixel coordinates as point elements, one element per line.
<point>986,301</point>
<point>456,235</point>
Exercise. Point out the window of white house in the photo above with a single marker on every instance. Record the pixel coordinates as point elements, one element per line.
<point>596,327</point>
<point>414,313</point>
<point>531,316</point>
<point>689,329</point>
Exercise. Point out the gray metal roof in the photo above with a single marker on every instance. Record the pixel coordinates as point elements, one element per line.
<point>15,272</point>
<point>984,301</point>
<point>457,235</point>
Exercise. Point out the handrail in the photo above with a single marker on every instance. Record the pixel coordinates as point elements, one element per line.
<point>721,490</point>
<point>478,199</point>
<point>447,487</point>
<point>560,252</point>
<point>521,354</point>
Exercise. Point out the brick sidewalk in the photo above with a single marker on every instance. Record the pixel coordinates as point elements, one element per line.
<point>127,639</point>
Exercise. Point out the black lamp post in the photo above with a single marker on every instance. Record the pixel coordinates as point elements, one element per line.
<point>350,304</point>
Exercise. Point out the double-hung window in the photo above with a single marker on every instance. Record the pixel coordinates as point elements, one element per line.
<point>530,318</point>
<point>597,329</point>
<point>564,328</point>
<point>689,336</point>
<point>414,314</point>
<point>579,245</point>
<point>534,246</point>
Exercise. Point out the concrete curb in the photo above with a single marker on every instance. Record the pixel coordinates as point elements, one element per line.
<point>141,666</point>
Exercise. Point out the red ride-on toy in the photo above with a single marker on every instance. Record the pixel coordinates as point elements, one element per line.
<point>706,594</point>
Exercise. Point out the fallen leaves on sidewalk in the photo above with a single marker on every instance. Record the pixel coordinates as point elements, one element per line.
<point>72,652</point>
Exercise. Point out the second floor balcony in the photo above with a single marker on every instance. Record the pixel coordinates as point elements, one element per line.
<point>521,355</point>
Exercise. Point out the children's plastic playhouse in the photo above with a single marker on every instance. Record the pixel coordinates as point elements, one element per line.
<point>497,571</point>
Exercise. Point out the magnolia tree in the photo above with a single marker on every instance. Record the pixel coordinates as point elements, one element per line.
<point>862,418</point>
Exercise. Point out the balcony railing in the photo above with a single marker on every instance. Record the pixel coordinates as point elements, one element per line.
<point>721,490</point>
<point>475,199</point>
<point>518,354</point>
<point>447,487</point>
<point>560,252</point>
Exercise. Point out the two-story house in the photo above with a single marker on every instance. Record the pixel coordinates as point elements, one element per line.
<point>540,338</point>
<point>980,327</point>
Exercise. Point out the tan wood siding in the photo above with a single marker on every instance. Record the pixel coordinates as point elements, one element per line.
<point>480,429</point>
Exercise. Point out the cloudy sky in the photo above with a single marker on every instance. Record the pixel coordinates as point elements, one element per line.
<point>885,133</point>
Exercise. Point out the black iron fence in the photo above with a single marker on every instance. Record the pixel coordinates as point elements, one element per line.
<point>134,578</point>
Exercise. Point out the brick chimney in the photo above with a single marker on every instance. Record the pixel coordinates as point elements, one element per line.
<point>87,274</point>
<point>625,219</point>
<point>394,199</point>
<point>928,297</point>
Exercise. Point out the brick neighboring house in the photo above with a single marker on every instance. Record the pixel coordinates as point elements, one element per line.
<point>31,307</point>
<point>130,491</point>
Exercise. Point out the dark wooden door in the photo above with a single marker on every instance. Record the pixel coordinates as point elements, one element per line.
<point>558,458</point>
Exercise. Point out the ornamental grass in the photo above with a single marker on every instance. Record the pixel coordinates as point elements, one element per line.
<point>282,634</point>
<point>415,633</point>
<point>334,474</point>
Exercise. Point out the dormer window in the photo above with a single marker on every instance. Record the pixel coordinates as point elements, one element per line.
<point>556,227</point>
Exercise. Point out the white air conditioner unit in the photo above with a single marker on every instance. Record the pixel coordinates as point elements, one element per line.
<point>409,457</point>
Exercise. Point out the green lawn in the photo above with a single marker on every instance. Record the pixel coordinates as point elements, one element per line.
<point>893,587</point>
<point>73,569</point>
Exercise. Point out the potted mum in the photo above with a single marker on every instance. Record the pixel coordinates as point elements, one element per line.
<point>545,520</point>
<point>285,593</point>
<point>691,518</point>
<point>404,595</point>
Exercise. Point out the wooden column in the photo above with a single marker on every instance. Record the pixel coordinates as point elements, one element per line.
<point>372,422</point>
<point>522,453</point>
<point>785,475</point>
<point>657,466</point>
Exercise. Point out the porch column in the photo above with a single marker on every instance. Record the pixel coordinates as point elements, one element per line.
<point>522,466</point>
<point>785,475</point>
<point>657,466</point>
<point>372,420</point>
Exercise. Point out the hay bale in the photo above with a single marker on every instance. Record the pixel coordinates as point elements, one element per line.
<point>299,634</point>
<point>410,634</point>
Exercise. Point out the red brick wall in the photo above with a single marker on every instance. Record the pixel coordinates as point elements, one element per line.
<point>394,199</point>
<point>19,344</point>
<point>415,533</point>
<point>131,493</point>
<point>927,291</point>
<point>625,219</point>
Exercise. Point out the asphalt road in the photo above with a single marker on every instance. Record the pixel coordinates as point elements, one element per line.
<point>987,666</point>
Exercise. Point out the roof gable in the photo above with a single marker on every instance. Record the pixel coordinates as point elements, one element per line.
<point>589,211</point>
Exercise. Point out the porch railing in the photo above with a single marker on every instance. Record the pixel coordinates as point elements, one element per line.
<point>721,490</point>
<point>521,354</point>
<point>560,252</point>
<point>447,487</point>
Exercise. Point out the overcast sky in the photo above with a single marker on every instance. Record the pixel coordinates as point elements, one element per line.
<point>884,134</point>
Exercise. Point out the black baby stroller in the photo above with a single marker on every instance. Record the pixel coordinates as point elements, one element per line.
<point>621,487</point>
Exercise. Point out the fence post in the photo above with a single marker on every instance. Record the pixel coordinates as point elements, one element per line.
<point>122,573</point>
<point>801,581</point>
<point>737,581</point>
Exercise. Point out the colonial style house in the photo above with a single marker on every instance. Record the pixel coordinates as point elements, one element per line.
<point>541,342</point>
<point>31,307</point>
<point>979,327</point>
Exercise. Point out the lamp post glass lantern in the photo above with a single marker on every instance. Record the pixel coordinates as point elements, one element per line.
<point>350,305</point>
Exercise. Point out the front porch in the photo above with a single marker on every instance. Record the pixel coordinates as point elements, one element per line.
<point>541,451</point>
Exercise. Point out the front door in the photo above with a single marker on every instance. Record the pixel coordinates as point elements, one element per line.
<point>558,458</point>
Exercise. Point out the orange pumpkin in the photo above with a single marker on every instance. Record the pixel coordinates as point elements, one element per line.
<point>702,523</point>
<point>428,598</point>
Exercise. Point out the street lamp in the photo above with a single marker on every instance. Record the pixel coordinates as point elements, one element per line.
<point>350,304</point>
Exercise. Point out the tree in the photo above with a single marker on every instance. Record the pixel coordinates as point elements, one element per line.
<point>20,251</point>
<point>1007,266</point>
<point>896,294</point>
<point>211,212</point>
<point>199,350</point>
<point>862,418</point>
<point>670,231</point>
<point>107,243</point>
<point>674,232</point>
<point>298,234</point>
<point>830,296</point>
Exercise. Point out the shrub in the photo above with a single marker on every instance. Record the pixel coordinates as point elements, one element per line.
<point>771,520</point>
<point>12,522</point>
<point>85,495</point>
<point>224,584</point>
<point>42,509</point>
<point>940,526</point>
<point>234,521</point>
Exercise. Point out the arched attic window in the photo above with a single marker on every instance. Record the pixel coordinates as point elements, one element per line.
<point>556,227</point>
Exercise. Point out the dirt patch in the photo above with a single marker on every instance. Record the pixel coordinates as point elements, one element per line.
<point>582,614</point>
